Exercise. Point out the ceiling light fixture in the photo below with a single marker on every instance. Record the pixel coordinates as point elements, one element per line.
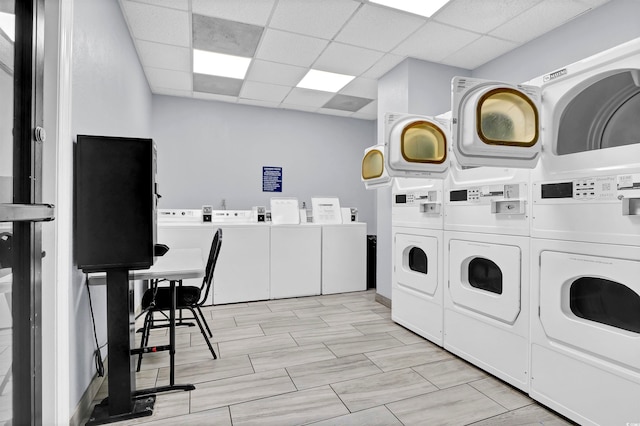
<point>422,8</point>
<point>219,64</point>
<point>8,25</point>
<point>325,81</point>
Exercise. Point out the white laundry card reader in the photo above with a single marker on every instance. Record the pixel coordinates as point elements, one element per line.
<point>206,213</point>
<point>260,213</point>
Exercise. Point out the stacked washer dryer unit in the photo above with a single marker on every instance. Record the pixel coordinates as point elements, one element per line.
<point>495,137</point>
<point>585,318</point>
<point>416,149</point>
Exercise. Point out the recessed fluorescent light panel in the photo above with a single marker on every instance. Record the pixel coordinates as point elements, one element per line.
<point>219,64</point>
<point>325,81</point>
<point>422,8</point>
<point>8,25</point>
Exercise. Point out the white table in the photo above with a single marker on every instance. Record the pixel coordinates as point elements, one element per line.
<point>175,265</point>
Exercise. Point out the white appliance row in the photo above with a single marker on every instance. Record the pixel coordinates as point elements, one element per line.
<point>540,231</point>
<point>261,261</point>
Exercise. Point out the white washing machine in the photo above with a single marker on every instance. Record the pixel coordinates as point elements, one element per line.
<point>417,276</point>
<point>495,137</point>
<point>585,331</point>
<point>243,268</point>
<point>585,325</point>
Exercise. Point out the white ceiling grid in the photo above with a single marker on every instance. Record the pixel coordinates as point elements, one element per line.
<point>353,37</point>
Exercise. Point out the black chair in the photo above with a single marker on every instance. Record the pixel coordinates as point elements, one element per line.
<point>158,299</point>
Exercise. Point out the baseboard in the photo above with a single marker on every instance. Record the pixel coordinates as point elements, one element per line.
<point>85,405</point>
<point>383,300</point>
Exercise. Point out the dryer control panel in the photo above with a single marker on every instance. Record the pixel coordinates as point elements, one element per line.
<point>427,202</point>
<point>503,199</point>
<point>592,209</point>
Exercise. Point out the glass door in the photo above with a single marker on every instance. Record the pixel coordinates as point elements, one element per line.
<point>416,145</point>
<point>495,124</point>
<point>21,211</point>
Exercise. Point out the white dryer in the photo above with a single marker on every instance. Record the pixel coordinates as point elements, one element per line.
<point>585,325</point>
<point>585,330</point>
<point>416,153</point>
<point>495,137</point>
<point>417,276</point>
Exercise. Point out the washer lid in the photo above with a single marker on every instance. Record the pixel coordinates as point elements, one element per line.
<point>416,145</point>
<point>374,173</point>
<point>495,124</point>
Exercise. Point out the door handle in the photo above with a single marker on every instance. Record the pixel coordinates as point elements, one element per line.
<point>27,212</point>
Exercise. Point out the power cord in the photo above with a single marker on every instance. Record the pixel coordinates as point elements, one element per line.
<point>97,354</point>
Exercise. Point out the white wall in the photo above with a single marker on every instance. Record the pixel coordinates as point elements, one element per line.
<point>209,151</point>
<point>417,87</point>
<point>600,29</point>
<point>110,97</point>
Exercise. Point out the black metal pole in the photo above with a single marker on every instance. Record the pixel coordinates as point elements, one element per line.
<point>119,319</point>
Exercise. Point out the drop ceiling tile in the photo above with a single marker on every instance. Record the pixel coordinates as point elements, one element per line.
<point>224,36</point>
<point>371,108</point>
<point>371,27</point>
<point>214,97</point>
<point>346,59</point>
<point>435,41</point>
<point>288,48</point>
<point>256,102</point>
<point>251,12</point>
<point>216,85</point>
<point>165,56</point>
<point>159,24</point>
<point>347,103</point>
<point>383,66</point>
<point>308,98</point>
<point>479,52</point>
<point>275,73</point>
<point>173,4</point>
<point>481,16</point>
<point>264,91</point>
<point>539,19</point>
<point>363,87</point>
<point>168,79</point>
<point>317,18</point>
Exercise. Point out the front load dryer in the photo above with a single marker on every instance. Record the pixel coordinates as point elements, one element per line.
<point>585,342</point>
<point>417,277</point>
<point>495,138</point>
<point>374,175</point>
<point>585,330</point>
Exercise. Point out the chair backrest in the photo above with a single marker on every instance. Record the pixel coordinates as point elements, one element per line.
<point>216,243</point>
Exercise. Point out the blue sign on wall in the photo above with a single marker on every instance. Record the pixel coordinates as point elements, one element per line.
<point>271,179</point>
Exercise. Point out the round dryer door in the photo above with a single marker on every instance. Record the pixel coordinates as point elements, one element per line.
<point>374,174</point>
<point>495,124</point>
<point>416,146</point>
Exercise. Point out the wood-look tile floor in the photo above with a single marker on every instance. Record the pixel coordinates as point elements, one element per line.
<point>323,360</point>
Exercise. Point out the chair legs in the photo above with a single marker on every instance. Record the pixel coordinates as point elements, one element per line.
<point>144,339</point>
<point>148,324</point>
<point>204,321</point>
<point>204,334</point>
